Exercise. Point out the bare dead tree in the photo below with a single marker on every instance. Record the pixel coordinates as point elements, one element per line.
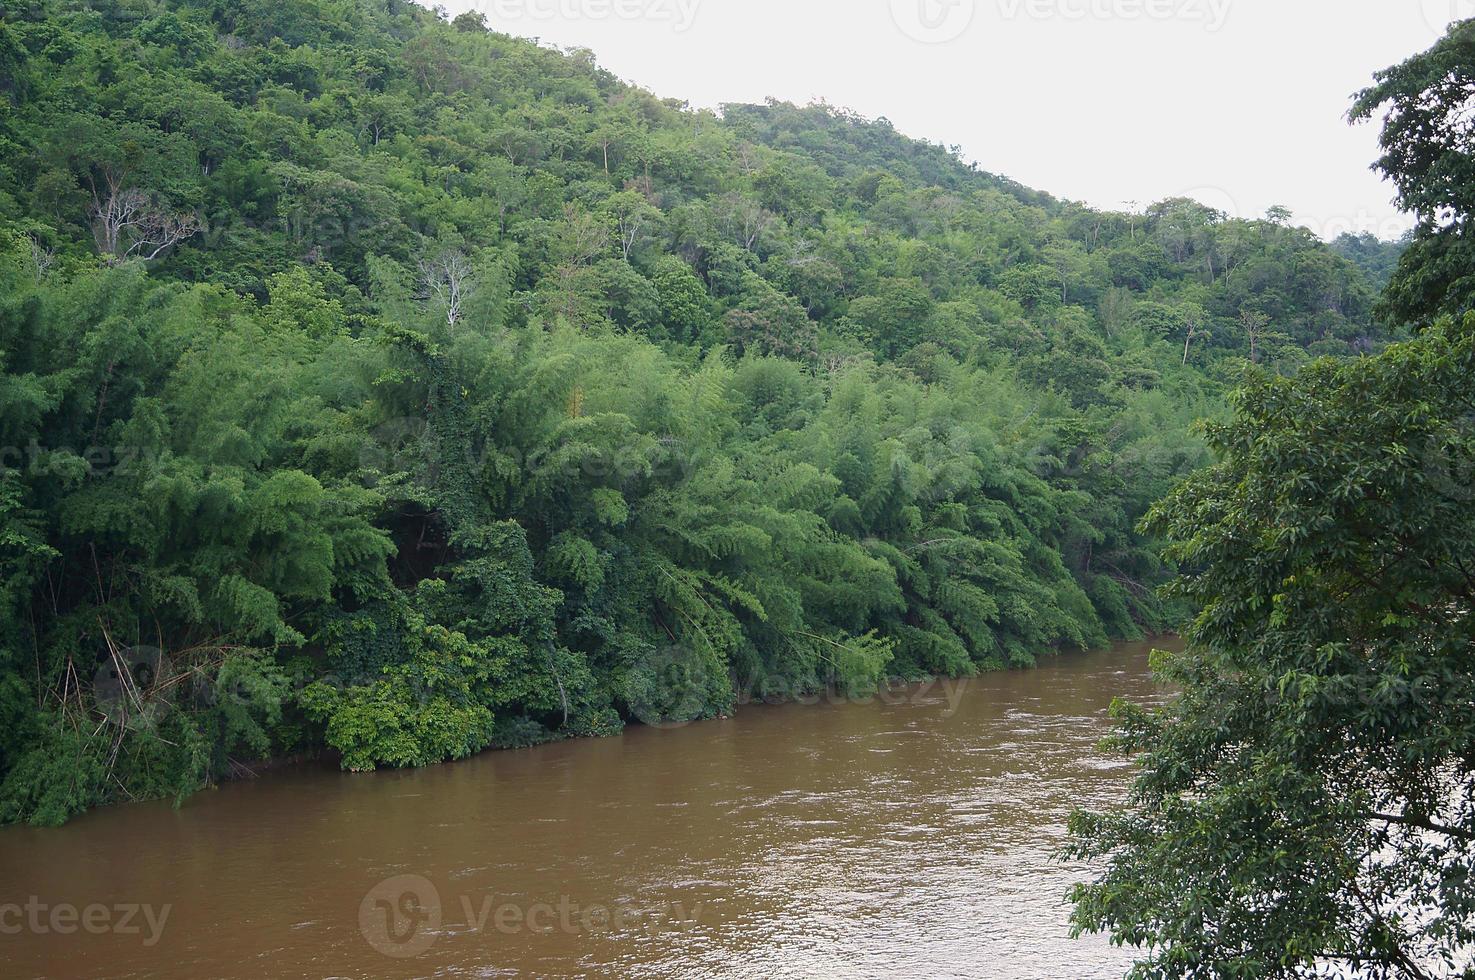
<point>1192,327</point>
<point>42,257</point>
<point>449,278</point>
<point>580,240</point>
<point>749,219</point>
<point>128,223</point>
<point>1255,323</point>
<point>582,237</point>
<point>630,224</point>
<point>947,207</point>
<point>747,158</point>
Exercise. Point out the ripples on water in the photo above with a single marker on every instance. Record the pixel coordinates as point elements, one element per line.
<point>859,840</point>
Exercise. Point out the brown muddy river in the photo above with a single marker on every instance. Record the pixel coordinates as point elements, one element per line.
<point>910,837</point>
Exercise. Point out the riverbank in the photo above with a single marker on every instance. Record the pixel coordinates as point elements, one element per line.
<point>897,837</point>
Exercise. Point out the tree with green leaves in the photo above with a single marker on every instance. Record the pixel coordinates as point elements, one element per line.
<point>1309,797</point>
<point>1425,104</point>
<point>1306,801</point>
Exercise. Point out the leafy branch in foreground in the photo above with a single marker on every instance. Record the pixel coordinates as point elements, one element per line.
<point>1309,796</point>
<point>1306,804</point>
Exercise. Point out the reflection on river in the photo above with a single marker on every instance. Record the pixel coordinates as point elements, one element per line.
<point>904,839</point>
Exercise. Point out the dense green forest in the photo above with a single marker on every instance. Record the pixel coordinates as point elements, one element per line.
<point>389,385</point>
<point>1374,256</point>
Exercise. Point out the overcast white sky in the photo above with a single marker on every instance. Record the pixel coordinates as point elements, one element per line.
<point>1240,103</point>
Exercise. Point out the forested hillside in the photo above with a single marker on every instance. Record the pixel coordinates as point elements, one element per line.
<point>1377,258</point>
<point>388,384</point>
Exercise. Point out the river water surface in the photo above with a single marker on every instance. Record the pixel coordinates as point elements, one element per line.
<point>907,838</point>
